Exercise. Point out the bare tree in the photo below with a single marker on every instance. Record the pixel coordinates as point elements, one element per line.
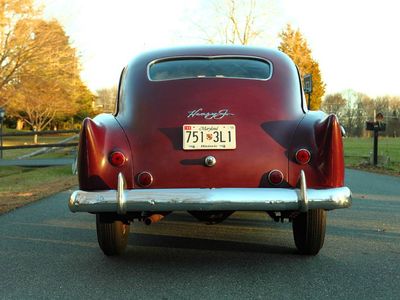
<point>363,108</point>
<point>106,98</point>
<point>235,22</point>
<point>334,103</point>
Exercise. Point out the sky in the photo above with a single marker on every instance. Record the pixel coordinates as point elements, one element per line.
<point>357,43</point>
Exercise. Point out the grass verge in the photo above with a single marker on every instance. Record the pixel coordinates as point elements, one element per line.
<point>19,186</point>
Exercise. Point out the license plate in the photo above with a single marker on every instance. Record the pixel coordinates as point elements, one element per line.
<point>203,137</point>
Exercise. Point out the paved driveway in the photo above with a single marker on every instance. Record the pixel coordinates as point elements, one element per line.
<point>46,252</point>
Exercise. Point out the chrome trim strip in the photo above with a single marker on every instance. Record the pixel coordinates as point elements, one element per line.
<point>249,199</point>
<point>343,131</point>
<point>209,57</point>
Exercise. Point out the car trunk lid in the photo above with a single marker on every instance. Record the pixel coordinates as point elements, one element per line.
<point>257,109</point>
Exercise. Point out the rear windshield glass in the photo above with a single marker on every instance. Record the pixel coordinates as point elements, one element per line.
<point>221,67</point>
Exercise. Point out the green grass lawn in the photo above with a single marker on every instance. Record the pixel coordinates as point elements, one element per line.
<point>20,186</point>
<point>358,150</point>
<point>364,146</point>
<point>19,179</point>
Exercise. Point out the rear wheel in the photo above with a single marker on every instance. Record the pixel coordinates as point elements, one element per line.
<point>112,235</point>
<point>309,231</point>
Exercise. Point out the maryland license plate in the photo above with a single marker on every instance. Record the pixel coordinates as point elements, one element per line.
<point>202,137</point>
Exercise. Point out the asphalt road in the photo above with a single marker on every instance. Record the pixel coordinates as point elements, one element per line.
<point>46,252</point>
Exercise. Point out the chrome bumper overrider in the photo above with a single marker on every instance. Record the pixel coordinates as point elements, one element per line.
<point>122,201</point>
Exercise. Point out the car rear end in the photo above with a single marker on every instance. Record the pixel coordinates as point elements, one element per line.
<point>187,108</point>
<point>210,131</point>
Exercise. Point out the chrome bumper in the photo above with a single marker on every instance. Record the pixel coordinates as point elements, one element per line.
<point>122,201</point>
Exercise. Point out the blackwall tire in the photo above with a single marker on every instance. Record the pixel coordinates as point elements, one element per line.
<point>112,236</point>
<point>309,231</point>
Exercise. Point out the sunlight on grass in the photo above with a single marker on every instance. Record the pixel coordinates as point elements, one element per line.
<point>17,179</point>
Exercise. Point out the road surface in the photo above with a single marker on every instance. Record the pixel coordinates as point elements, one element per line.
<point>46,252</point>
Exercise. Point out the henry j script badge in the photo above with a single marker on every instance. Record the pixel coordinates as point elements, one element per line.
<point>209,115</point>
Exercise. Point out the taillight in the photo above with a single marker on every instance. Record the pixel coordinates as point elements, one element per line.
<point>145,179</point>
<point>275,177</point>
<point>303,156</point>
<point>117,158</point>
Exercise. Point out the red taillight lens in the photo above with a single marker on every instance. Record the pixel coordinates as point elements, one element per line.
<point>275,177</point>
<point>145,179</point>
<point>303,156</point>
<point>117,159</point>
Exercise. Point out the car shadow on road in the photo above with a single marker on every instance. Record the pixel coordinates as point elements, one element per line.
<point>239,233</point>
<point>173,242</point>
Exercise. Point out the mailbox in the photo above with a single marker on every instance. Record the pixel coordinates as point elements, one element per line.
<point>308,86</point>
<point>375,126</point>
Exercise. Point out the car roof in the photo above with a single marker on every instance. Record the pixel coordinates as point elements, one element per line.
<point>210,50</point>
<point>284,84</point>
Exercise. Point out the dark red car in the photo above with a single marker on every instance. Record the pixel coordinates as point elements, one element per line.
<point>210,130</point>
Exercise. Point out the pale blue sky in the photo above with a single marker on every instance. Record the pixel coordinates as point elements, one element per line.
<point>356,42</point>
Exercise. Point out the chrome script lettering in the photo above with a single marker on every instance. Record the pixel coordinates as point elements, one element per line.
<point>209,115</point>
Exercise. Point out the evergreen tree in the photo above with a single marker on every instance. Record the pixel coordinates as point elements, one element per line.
<point>295,46</point>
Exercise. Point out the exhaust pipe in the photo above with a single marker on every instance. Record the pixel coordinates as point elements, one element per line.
<point>153,219</point>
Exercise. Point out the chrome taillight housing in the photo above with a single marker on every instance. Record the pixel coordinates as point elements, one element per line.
<point>144,179</point>
<point>117,158</point>
<point>275,177</point>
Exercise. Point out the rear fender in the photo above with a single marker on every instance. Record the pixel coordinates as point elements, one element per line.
<point>99,137</point>
<point>321,134</point>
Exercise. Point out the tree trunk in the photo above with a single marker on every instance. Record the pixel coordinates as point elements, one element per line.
<point>35,137</point>
<point>20,124</point>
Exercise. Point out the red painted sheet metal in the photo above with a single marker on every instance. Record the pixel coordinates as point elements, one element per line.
<point>156,111</point>
<point>270,126</point>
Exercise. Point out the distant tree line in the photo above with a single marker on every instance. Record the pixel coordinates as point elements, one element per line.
<point>354,109</point>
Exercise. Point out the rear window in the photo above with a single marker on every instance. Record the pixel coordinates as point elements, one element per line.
<point>201,67</point>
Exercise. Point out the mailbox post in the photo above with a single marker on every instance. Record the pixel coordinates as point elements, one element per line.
<point>2,115</point>
<point>308,88</point>
<point>376,126</point>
